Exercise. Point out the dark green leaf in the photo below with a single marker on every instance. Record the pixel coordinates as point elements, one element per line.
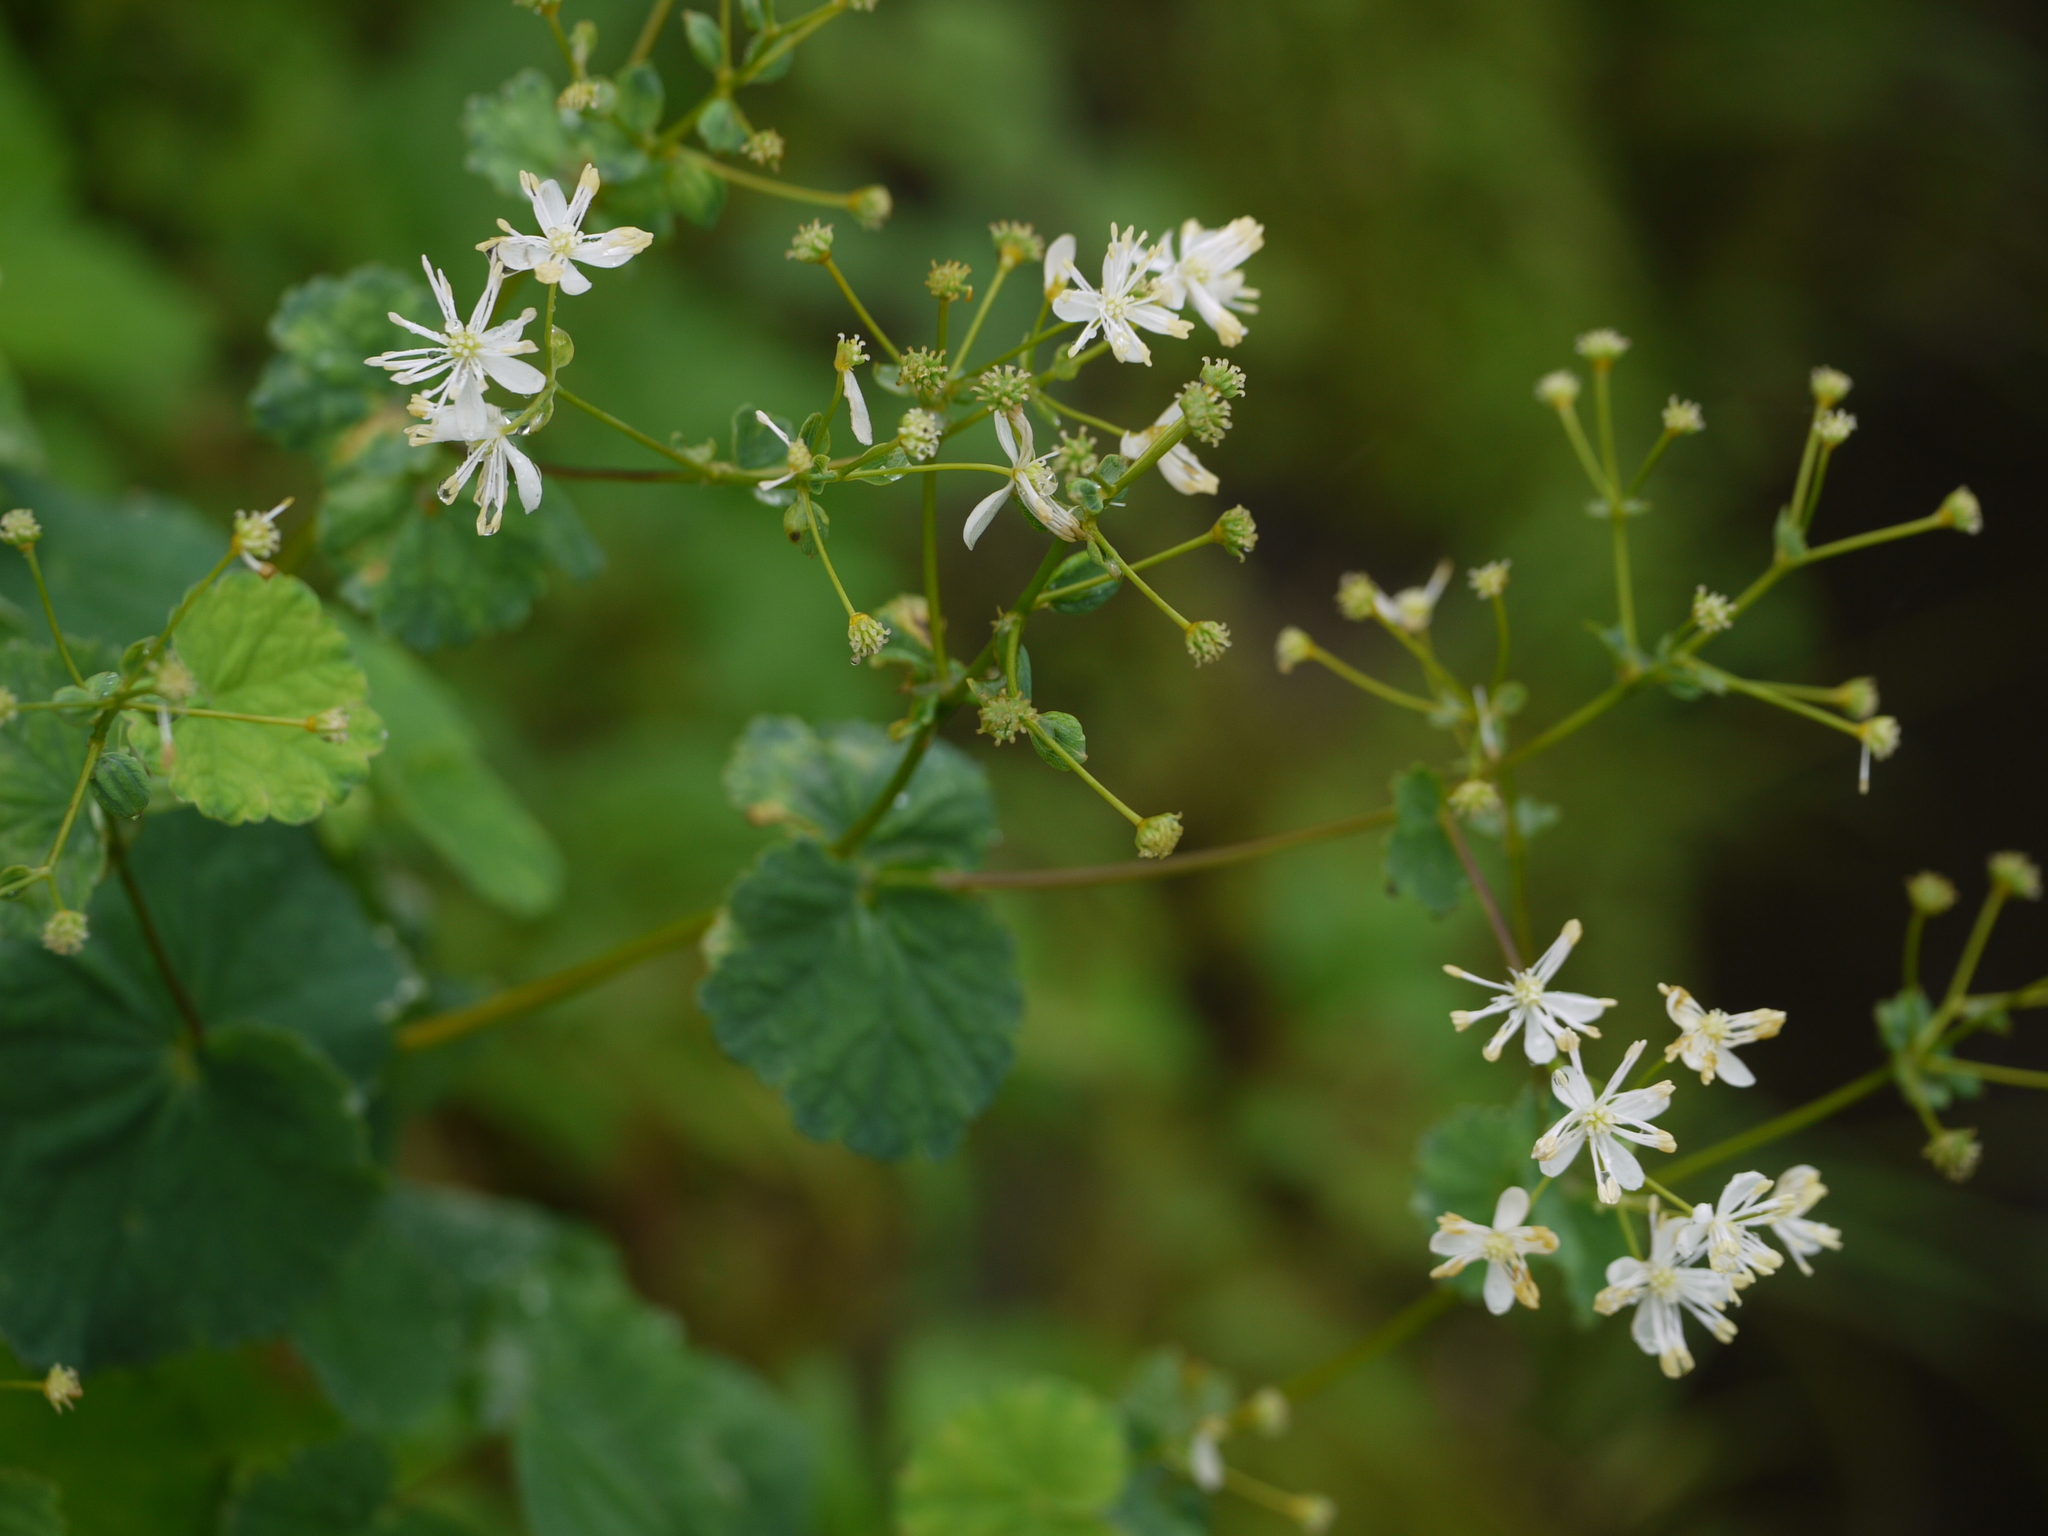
<point>318,384</point>
<point>885,1013</point>
<point>638,108</point>
<point>42,753</point>
<point>29,1505</point>
<point>753,445</point>
<point>515,128</point>
<point>707,41</point>
<point>821,781</point>
<point>1420,860</point>
<point>1079,567</point>
<point>693,191</point>
<point>333,1489</point>
<point>1160,1502</point>
<point>1066,730</point>
<point>1043,1458</point>
<point>721,127</point>
<point>1901,1018</point>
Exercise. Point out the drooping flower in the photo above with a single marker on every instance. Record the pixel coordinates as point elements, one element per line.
<point>561,250</point>
<point>1549,1021</point>
<point>1605,1121</point>
<point>1206,274</point>
<point>1662,1289</point>
<point>1799,1190</point>
<point>1127,298</point>
<point>466,352</point>
<point>256,538</point>
<point>1183,471</point>
<point>1724,1231</point>
<point>847,360</point>
<point>1031,478</point>
<point>1410,610</point>
<point>1707,1036</point>
<point>1503,1246</point>
<point>493,459</point>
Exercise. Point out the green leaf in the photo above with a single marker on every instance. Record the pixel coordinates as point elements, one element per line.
<point>265,647</point>
<point>432,774</point>
<point>515,128</point>
<point>707,41</point>
<point>721,127</point>
<point>1076,568</point>
<point>29,1505</point>
<point>1167,1396</point>
<point>753,445</point>
<point>822,781</point>
<point>769,73</point>
<point>886,1013</point>
<point>1901,1018</point>
<point>42,753</point>
<point>332,1489</point>
<point>1042,1458</point>
<point>693,190</point>
<point>638,108</point>
<point>1420,861</point>
<point>1066,730</point>
<point>318,385</point>
<point>1160,1502</point>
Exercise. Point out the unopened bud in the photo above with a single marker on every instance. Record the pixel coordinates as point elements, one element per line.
<point>10,706</point>
<point>866,636</point>
<point>1158,835</point>
<point>1003,389</point>
<point>120,784</point>
<point>1005,714</point>
<point>1881,734</point>
<point>1207,413</point>
<point>1227,379</point>
<point>1236,532</point>
<point>947,280</point>
<point>1711,611</point>
<point>1960,511</point>
<point>582,42</point>
<point>171,680</point>
<point>765,147</point>
<point>1474,798</point>
<point>2017,874</point>
<point>1955,1153</point>
<point>1312,1512</point>
<point>1830,386</point>
<point>1558,390</point>
<point>331,726</point>
<point>66,932</point>
<point>1207,641</point>
<point>20,528</point>
<point>1356,595</point>
<point>1858,697</point>
<point>1489,580</point>
<point>1931,894</point>
<point>872,205</point>
<point>1267,1409</point>
<point>1601,346</point>
<point>61,1387</point>
<point>1076,453</point>
<point>1834,427</point>
<point>1015,244</point>
<point>922,371</point>
<point>919,433</point>
<point>813,243</point>
<point>1292,648</point>
<point>256,534</point>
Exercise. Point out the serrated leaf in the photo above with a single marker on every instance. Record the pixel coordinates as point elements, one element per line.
<point>432,773</point>
<point>318,385</point>
<point>29,1505</point>
<point>886,1013</point>
<point>721,127</point>
<point>515,128</point>
<point>1066,730</point>
<point>707,41</point>
<point>1420,861</point>
<point>42,753</point>
<point>692,190</point>
<point>638,107</point>
<point>1042,1458</point>
<point>265,647</point>
<point>821,781</point>
<point>1076,568</point>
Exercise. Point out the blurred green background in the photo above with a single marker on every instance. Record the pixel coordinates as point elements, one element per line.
<point>1209,1138</point>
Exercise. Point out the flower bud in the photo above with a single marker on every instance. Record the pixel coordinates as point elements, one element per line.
<point>1682,418</point>
<point>1005,714</point>
<point>1475,798</point>
<point>1601,346</point>
<point>1960,511</point>
<point>1558,390</point>
<point>1356,595</point>
<point>1491,579</point>
<point>582,42</point>
<point>1930,894</point>
<point>121,784</point>
<point>1207,413</point>
<point>331,726</point>
<point>922,371</point>
<point>1207,641</point>
<point>947,281</point>
<point>20,528</point>
<point>813,243</point>
<point>1158,835</point>
<point>1834,427</point>
<point>1227,379</point>
<point>1312,1512</point>
<point>1237,532</point>
<point>2017,874</point>
<point>1711,611</point>
<point>919,434</point>
<point>866,636</point>
<point>765,147</point>
<point>1858,697</point>
<point>256,535</point>
<point>1076,453</point>
<point>872,207</point>
<point>1267,1409</point>
<point>10,706</point>
<point>1006,388</point>
<point>1955,1153</point>
<point>1015,244</point>
<point>66,932</point>
<point>1292,648</point>
<point>851,353</point>
<point>61,1387</point>
<point>1829,386</point>
<point>1881,735</point>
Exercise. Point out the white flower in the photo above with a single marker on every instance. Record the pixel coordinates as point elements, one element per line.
<point>256,537</point>
<point>1662,1289</point>
<point>1127,298</point>
<point>1707,1036</point>
<point>1550,1021</point>
<point>1799,1191</point>
<point>1501,1245</point>
<point>1205,1454</point>
<point>1410,609</point>
<point>1032,480</point>
<point>798,454</point>
<point>1615,1116</point>
<point>850,356</point>
<point>471,419</point>
<point>1059,260</point>
<point>553,255</point>
<point>1722,1232</point>
<point>1183,471</point>
<point>1206,274</point>
<point>467,354</point>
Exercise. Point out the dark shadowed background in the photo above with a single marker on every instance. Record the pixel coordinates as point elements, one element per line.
<point>1210,1135</point>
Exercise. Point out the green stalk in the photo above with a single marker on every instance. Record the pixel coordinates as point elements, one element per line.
<point>974,327</point>
<point>1040,734</point>
<point>35,569</point>
<point>1157,869</point>
<point>1781,1125</point>
<point>861,309</point>
<point>1370,684</point>
<point>935,616</point>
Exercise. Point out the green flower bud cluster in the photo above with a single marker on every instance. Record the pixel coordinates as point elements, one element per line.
<point>947,280</point>
<point>2017,875</point>
<point>1075,454</point>
<point>922,371</point>
<point>1207,412</point>
<point>1207,640</point>
<point>1931,894</point>
<point>813,243</point>
<point>920,433</point>
<point>765,147</point>
<point>1158,835</point>
<point>19,528</point>
<point>1955,1154</point>
<point>1004,715</point>
<point>1237,532</point>
<point>1015,244</point>
<point>1227,379</point>
<point>872,207</point>
<point>1007,388</point>
<point>66,932</point>
<point>866,636</point>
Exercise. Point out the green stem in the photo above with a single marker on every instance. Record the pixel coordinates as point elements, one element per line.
<point>1569,416</point>
<point>1966,967</point>
<point>1139,582</point>
<point>1650,459</point>
<point>1046,739</point>
<point>1060,594</point>
<point>1518,861</point>
<point>195,1027</point>
<point>1678,1200</point>
<point>935,615</point>
<point>650,32</point>
<point>816,196</point>
<point>1004,470</point>
<point>93,747</point>
<point>1781,1125</point>
<point>1082,416</point>
<point>1796,706</point>
<point>1603,407</point>
<point>974,326</point>
<point>514,1001</point>
<point>1854,542</point>
<point>913,754</point>
<point>1805,476</point>
<point>1396,1330</point>
<point>1628,1232</point>
<point>945,312</point>
<point>547,332</point>
<point>861,309</point>
<point>1482,890</point>
<point>818,543</point>
<point>1579,718</point>
<point>562,42</point>
<point>1624,583</point>
<point>1909,967</point>
<point>1037,338</point>
<point>1157,869</point>
<point>1500,634</point>
<point>1991,1072</point>
<point>1055,553</point>
<point>35,569</point>
<point>699,471</point>
<point>1370,684</point>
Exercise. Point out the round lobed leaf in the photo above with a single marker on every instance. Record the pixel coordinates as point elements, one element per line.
<point>42,753</point>
<point>1042,1458</point>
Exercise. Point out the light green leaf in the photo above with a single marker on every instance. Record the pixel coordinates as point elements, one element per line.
<point>1420,861</point>
<point>886,1013</point>
<point>1066,730</point>
<point>694,191</point>
<point>42,753</point>
<point>515,128</point>
<point>1043,1458</point>
<point>432,774</point>
<point>638,108</point>
<point>822,780</point>
<point>29,1505</point>
<point>707,40</point>
<point>1167,1396</point>
<point>318,384</point>
<point>721,127</point>
<point>266,648</point>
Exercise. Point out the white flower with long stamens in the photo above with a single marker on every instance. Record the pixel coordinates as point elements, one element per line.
<point>561,250</point>
<point>1059,261</point>
<point>1549,1021</point>
<point>1031,478</point>
<point>1722,1231</point>
<point>1503,1246</point>
<point>257,539</point>
<point>1206,274</point>
<point>1799,1190</point>
<point>847,360</point>
<point>1411,609</point>
<point>1127,298</point>
<point>800,456</point>
<point>493,459</point>
<point>468,353</point>
<point>1604,1121</point>
<point>1662,1289</point>
<point>1183,471</point>
<point>1707,1036</point>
